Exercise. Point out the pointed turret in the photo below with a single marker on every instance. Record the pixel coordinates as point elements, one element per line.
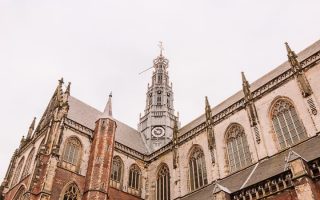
<point>68,89</point>
<point>175,132</point>
<point>59,91</point>
<point>101,154</point>
<point>297,69</point>
<point>22,142</point>
<point>208,111</point>
<point>292,57</point>
<point>107,113</point>
<point>31,128</point>
<point>246,88</point>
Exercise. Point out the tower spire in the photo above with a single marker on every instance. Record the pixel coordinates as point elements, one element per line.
<point>31,128</point>
<point>108,109</point>
<point>157,122</point>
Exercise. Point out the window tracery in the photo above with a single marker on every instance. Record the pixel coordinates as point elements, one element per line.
<point>287,124</point>
<point>72,151</point>
<point>72,193</point>
<point>134,180</point>
<point>163,183</point>
<point>17,172</point>
<point>197,169</point>
<point>116,172</point>
<point>237,148</point>
<point>28,164</point>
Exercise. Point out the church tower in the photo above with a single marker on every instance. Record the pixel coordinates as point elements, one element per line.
<point>157,123</point>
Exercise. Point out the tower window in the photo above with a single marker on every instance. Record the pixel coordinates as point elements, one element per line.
<point>287,124</point>
<point>160,79</point>
<point>158,100</point>
<point>237,148</point>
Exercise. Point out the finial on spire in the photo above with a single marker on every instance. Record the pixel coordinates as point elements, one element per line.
<point>292,57</point>
<point>161,47</point>
<point>245,87</point>
<point>68,88</point>
<point>31,128</point>
<point>61,81</point>
<point>108,109</point>
<point>208,111</point>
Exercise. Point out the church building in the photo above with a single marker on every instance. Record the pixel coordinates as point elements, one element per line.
<point>263,142</point>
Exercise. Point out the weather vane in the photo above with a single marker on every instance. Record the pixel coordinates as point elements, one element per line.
<point>160,45</point>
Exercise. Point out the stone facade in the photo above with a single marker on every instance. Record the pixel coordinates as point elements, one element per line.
<point>233,151</point>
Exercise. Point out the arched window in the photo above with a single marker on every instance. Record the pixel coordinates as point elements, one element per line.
<point>237,148</point>
<point>27,165</point>
<point>116,172</point>
<point>72,151</point>
<point>159,100</point>
<point>20,194</point>
<point>134,180</point>
<point>17,172</point>
<point>163,183</point>
<point>71,193</point>
<point>197,169</point>
<point>286,123</point>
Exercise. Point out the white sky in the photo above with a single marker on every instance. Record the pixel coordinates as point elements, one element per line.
<point>102,45</point>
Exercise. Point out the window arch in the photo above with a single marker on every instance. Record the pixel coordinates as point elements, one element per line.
<point>163,183</point>
<point>72,151</point>
<point>197,169</point>
<point>237,148</point>
<point>134,180</point>
<point>71,192</point>
<point>20,194</point>
<point>286,123</point>
<point>17,172</point>
<point>26,168</point>
<point>116,172</point>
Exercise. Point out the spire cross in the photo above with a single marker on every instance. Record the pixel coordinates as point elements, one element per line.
<point>161,47</point>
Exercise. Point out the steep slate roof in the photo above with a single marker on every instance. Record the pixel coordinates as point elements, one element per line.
<point>308,150</point>
<point>86,115</point>
<point>255,85</point>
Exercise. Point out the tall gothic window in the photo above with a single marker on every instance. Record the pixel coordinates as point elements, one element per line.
<point>28,164</point>
<point>116,172</point>
<point>71,193</point>
<point>134,180</point>
<point>197,169</point>
<point>72,151</point>
<point>237,148</point>
<point>286,124</point>
<point>17,172</point>
<point>163,183</point>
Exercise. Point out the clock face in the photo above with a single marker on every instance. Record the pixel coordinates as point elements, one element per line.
<point>157,132</point>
